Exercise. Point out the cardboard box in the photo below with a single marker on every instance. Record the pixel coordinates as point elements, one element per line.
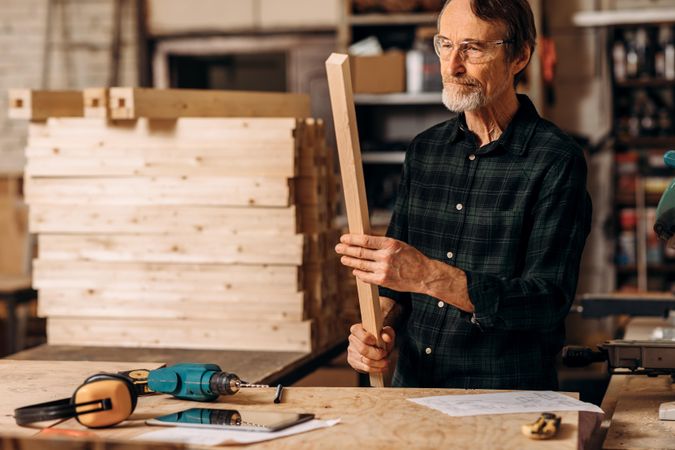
<point>378,74</point>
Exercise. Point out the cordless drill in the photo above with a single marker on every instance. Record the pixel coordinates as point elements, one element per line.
<point>195,381</point>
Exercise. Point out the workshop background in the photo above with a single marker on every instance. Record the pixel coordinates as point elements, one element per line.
<point>604,72</point>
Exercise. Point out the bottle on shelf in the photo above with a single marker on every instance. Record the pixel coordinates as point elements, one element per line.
<point>669,54</point>
<point>631,55</point>
<point>619,59</point>
<point>643,50</point>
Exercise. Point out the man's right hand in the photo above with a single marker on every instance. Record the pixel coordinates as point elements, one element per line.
<point>362,353</point>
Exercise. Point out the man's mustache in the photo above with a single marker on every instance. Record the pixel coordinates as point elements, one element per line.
<point>462,81</point>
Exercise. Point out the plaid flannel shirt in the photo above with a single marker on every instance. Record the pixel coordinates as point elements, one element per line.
<point>514,215</point>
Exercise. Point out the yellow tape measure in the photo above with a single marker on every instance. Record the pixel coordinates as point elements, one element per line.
<point>545,427</point>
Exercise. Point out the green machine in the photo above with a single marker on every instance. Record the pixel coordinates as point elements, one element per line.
<point>665,212</point>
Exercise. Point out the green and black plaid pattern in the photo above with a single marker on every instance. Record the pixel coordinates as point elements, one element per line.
<point>514,215</point>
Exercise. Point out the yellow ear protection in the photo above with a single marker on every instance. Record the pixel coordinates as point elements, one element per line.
<point>103,400</point>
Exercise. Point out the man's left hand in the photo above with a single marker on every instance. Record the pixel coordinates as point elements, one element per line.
<point>384,261</point>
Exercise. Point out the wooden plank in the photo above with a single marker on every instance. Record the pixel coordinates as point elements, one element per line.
<point>201,220</point>
<point>349,151</point>
<point>195,191</point>
<point>147,158</point>
<point>169,333</point>
<point>40,105</point>
<point>96,103</point>
<point>198,304</point>
<point>225,280</point>
<point>173,248</point>
<point>132,103</point>
<point>166,131</point>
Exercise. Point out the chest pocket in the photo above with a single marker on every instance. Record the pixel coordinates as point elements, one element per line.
<point>492,241</point>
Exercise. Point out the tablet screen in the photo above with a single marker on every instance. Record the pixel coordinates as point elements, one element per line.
<point>232,419</point>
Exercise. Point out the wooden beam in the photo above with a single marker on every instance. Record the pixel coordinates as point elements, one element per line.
<point>225,280</point>
<point>195,191</point>
<point>196,304</point>
<point>173,248</point>
<point>132,103</point>
<point>174,333</point>
<point>30,104</point>
<point>96,103</point>
<point>215,221</point>
<point>211,130</point>
<point>349,151</point>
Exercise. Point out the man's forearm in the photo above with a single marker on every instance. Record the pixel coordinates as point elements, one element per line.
<point>449,284</point>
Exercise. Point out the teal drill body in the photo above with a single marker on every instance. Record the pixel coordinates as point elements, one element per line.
<point>193,381</point>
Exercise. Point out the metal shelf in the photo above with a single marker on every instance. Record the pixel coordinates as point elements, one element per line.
<point>375,157</point>
<point>403,98</point>
<point>624,17</point>
<point>646,83</point>
<point>392,19</point>
<point>648,141</point>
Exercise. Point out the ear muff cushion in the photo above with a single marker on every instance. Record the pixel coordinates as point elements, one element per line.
<point>114,389</point>
<point>117,376</point>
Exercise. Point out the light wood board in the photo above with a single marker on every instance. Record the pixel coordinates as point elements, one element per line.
<point>198,304</point>
<point>149,219</point>
<point>132,103</point>
<point>173,248</point>
<point>204,191</point>
<point>197,334</point>
<point>149,277</point>
<point>351,167</point>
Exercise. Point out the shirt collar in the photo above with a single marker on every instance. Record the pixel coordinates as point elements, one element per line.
<point>518,133</point>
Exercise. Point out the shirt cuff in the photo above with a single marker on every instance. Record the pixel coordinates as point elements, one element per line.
<point>398,297</point>
<point>484,293</point>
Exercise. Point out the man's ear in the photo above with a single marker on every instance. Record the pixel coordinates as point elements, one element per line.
<point>521,61</point>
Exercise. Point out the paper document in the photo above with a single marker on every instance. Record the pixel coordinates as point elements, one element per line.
<point>203,436</point>
<point>504,403</point>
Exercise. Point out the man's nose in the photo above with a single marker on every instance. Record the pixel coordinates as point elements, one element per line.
<point>454,63</point>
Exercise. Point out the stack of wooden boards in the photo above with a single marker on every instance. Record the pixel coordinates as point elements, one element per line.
<point>183,219</point>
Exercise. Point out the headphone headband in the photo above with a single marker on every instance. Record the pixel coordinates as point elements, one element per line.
<point>57,409</point>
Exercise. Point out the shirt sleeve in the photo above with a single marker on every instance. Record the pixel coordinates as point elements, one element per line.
<point>398,226</point>
<point>541,297</point>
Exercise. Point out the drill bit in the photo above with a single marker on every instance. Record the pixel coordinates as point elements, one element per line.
<point>245,384</point>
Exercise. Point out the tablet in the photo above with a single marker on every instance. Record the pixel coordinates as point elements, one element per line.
<point>231,419</point>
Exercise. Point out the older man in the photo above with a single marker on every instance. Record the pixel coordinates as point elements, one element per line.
<point>481,259</point>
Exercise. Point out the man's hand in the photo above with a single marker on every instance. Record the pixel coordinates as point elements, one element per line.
<point>363,355</point>
<point>384,261</point>
<point>401,267</point>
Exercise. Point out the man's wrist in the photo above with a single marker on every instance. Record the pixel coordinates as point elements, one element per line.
<point>448,284</point>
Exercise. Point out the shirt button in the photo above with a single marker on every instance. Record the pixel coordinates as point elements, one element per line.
<point>472,157</point>
<point>428,351</point>
<point>441,304</point>
<point>459,206</point>
<point>450,255</point>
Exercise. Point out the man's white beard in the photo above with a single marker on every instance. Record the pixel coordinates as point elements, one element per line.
<point>458,101</point>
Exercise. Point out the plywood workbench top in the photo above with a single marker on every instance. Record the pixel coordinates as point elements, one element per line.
<point>371,418</point>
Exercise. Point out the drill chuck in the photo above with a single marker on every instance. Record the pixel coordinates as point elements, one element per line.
<point>224,383</point>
